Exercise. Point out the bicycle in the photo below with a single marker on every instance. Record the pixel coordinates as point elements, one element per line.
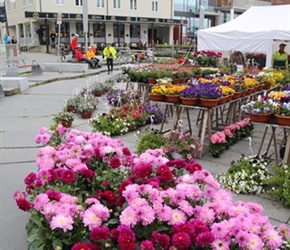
<point>66,54</point>
<point>148,58</point>
<point>123,54</point>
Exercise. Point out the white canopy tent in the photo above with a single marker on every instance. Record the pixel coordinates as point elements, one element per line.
<point>256,30</point>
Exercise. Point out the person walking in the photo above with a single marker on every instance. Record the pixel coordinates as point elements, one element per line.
<point>13,40</point>
<point>109,55</point>
<point>52,38</point>
<point>280,58</point>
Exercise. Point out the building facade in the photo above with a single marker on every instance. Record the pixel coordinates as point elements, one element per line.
<point>109,21</point>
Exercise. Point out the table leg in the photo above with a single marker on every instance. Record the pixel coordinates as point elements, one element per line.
<point>204,124</point>
<point>163,118</point>
<point>275,146</point>
<point>286,158</point>
<point>188,120</point>
<point>263,139</point>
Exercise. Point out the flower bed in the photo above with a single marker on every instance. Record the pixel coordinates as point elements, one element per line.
<point>90,192</point>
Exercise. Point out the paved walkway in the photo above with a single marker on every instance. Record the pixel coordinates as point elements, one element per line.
<point>22,115</point>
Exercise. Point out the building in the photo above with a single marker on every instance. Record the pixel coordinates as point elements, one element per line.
<point>109,21</point>
<point>215,12</point>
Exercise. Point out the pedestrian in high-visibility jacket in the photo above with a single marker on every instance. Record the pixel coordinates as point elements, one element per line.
<point>280,58</point>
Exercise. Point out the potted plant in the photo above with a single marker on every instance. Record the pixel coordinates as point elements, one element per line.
<point>86,106</point>
<point>172,93</point>
<point>189,95</point>
<point>64,117</point>
<point>282,113</point>
<point>259,110</point>
<point>207,58</point>
<point>209,94</point>
<point>72,103</point>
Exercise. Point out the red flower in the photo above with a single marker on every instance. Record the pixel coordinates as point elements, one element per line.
<point>87,173</point>
<point>166,175</point>
<point>23,204</point>
<point>109,196</point>
<point>68,176</point>
<point>146,245</point>
<point>100,233</point>
<point>30,179</point>
<point>181,241</point>
<point>97,153</point>
<point>126,241</point>
<point>115,162</point>
<point>126,151</point>
<point>85,246</point>
<point>164,241</point>
<point>143,170</point>
<point>53,195</point>
<point>193,166</point>
<point>204,239</point>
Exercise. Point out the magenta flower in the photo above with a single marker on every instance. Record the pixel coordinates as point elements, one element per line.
<point>181,241</point>
<point>100,233</point>
<point>68,176</point>
<point>115,162</point>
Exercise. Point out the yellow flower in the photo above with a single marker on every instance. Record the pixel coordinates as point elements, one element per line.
<point>226,90</point>
<point>277,95</point>
<point>250,82</point>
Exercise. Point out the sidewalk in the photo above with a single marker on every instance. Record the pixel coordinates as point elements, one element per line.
<point>22,115</point>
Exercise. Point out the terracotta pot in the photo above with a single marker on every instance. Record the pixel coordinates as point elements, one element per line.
<point>66,124</point>
<point>223,100</point>
<point>190,101</point>
<point>267,86</point>
<point>209,103</point>
<point>157,97</point>
<point>98,93</point>
<point>261,118</point>
<point>237,95</point>
<point>183,80</point>
<point>173,98</point>
<point>261,87</point>
<point>71,109</point>
<point>176,81</point>
<point>197,76</point>
<point>151,80</point>
<point>243,94</point>
<point>282,120</point>
<point>229,98</point>
<point>86,115</point>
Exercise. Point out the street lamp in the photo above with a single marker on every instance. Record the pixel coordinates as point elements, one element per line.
<point>5,13</point>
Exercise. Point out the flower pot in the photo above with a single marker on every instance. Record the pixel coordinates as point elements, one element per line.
<point>267,86</point>
<point>261,118</point>
<point>190,101</point>
<point>98,93</point>
<point>260,87</point>
<point>183,80</point>
<point>229,98</point>
<point>223,100</point>
<point>197,76</point>
<point>176,81</point>
<point>243,93</point>
<point>151,80</point>
<point>157,97</point>
<point>86,115</point>
<point>282,120</point>
<point>209,103</point>
<point>236,95</point>
<point>66,124</point>
<point>71,109</point>
<point>173,98</point>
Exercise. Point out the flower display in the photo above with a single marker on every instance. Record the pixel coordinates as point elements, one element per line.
<point>185,144</point>
<point>118,97</point>
<point>63,115</point>
<point>120,120</point>
<point>231,134</point>
<point>283,109</point>
<point>174,89</point>
<point>226,90</point>
<point>207,58</point>
<point>249,175</point>
<point>262,105</point>
<point>90,192</point>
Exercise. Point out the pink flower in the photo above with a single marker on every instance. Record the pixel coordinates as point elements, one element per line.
<point>204,239</point>
<point>177,217</point>
<point>61,221</point>
<point>128,217</point>
<point>284,231</point>
<point>146,245</point>
<point>126,241</point>
<point>24,204</point>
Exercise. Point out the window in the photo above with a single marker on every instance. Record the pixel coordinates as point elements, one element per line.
<point>101,3</point>
<point>154,6</point>
<point>14,6</point>
<point>23,3</point>
<point>59,2</point>
<point>133,4</point>
<point>79,2</point>
<point>119,31</point>
<point>116,4</point>
<point>135,31</point>
<point>99,30</point>
<point>30,2</point>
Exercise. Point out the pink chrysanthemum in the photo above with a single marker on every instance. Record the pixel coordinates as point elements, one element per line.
<point>142,170</point>
<point>24,204</point>
<point>204,239</point>
<point>126,241</point>
<point>63,222</point>
<point>146,245</point>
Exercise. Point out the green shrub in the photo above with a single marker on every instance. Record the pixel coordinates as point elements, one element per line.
<point>280,182</point>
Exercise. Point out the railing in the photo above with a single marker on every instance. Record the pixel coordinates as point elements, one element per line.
<point>28,46</point>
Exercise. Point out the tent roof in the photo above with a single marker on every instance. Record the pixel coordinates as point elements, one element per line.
<point>273,20</point>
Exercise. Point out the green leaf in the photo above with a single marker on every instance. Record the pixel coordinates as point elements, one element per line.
<point>113,221</point>
<point>57,243</point>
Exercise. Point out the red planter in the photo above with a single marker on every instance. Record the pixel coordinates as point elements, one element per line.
<point>173,98</point>
<point>157,97</point>
<point>151,80</point>
<point>267,86</point>
<point>237,95</point>
<point>261,118</point>
<point>189,101</point>
<point>66,124</point>
<point>282,120</point>
<point>209,103</point>
<point>86,115</point>
<point>223,100</point>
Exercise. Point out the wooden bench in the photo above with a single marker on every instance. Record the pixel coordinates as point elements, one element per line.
<point>16,63</point>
